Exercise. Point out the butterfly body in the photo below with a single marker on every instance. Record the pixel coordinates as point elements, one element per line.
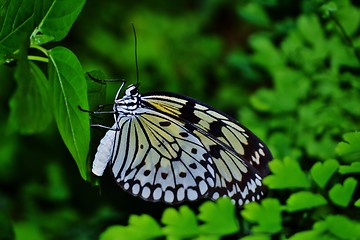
<point>172,148</point>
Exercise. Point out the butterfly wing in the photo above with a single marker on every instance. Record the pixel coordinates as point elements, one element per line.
<point>174,149</point>
<point>223,128</point>
<point>240,158</point>
<point>156,158</point>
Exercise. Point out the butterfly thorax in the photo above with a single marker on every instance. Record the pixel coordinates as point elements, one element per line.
<point>129,103</point>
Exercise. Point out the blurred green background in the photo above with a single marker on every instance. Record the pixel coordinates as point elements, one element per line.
<point>209,50</point>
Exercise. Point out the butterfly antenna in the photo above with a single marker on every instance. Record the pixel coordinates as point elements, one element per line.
<point>136,60</point>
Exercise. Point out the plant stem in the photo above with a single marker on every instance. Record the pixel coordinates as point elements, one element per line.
<point>37,58</point>
<point>43,50</point>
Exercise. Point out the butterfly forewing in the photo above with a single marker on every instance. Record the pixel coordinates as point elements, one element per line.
<point>220,126</point>
<point>171,148</point>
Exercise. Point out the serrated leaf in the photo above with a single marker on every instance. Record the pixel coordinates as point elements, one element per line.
<point>310,28</point>
<point>30,108</point>
<point>182,223</point>
<point>113,232</point>
<point>341,194</point>
<point>286,174</point>
<point>267,215</point>
<point>339,226</point>
<point>304,200</point>
<point>139,228</point>
<point>322,172</point>
<point>350,147</point>
<point>60,17</point>
<point>353,168</point>
<point>311,235</point>
<point>218,217</point>
<point>265,49</point>
<point>68,89</point>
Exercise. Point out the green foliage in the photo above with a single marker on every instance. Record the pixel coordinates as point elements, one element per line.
<point>286,174</point>
<point>322,172</point>
<point>68,87</point>
<point>292,67</point>
<point>304,200</point>
<point>64,87</point>
<point>350,148</point>
<point>218,219</point>
<point>267,215</point>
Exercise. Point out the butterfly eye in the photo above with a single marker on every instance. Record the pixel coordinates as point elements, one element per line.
<point>131,90</point>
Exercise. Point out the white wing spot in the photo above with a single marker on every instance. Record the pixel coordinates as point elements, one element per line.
<point>145,192</point>
<point>136,189</point>
<point>210,181</point>
<point>191,194</point>
<point>258,182</point>
<point>256,158</point>
<point>157,193</point>
<point>261,151</point>
<point>126,186</point>
<point>215,195</point>
<point>180,194</point>
<point>203,187</point>
<point>169,196</point>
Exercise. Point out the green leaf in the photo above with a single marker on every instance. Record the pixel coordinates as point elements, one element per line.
<point>140,227</point>
<point>322,172</point>
<point>265,49</point>
<point>328,8</point>
<point>60,17</point>
<point>341,194</point>
<point>181,224</point>
<point>253,12</point>
<point>218,217</point>
<point>310,28</point>
<point>30,108</point>
<point>357,203</point>
<point>304,200</point>
<point>267,215</point>
<point>353,168</point>
<point>350,148</point>
<point>286,174</point>
<point>311,235</point>
<point>16,24</point>
<point>349,18</point>
<point>113,233</point>
<point>339,226</point>
<point>68,89</point>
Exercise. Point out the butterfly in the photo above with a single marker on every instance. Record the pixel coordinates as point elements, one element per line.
<point>172,148</point>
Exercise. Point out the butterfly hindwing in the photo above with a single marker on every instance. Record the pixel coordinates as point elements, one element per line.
<point>159,160</point>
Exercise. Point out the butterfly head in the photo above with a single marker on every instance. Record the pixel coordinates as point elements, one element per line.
<point>129,102</point>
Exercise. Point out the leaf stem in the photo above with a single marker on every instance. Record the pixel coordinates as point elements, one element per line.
<point>37,58</point>
<point>43,50</point>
